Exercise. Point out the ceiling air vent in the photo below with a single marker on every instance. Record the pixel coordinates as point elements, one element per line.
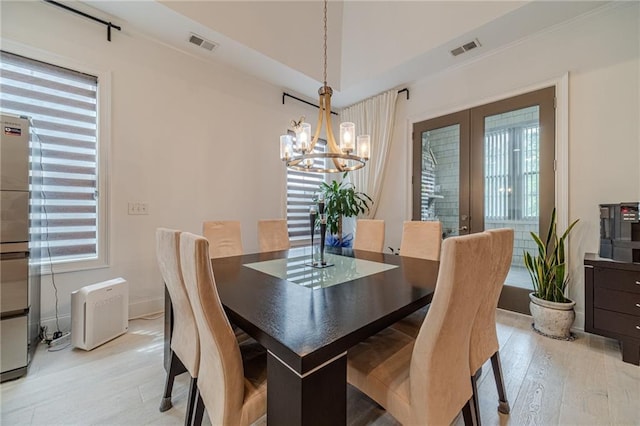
<point>466,47</point>
<point>202,42</point>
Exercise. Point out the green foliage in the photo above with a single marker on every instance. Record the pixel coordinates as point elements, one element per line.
<point>342,199</point>
<point>548,267</point>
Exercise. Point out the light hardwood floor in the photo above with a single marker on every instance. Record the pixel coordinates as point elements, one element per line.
<point>548,382</point>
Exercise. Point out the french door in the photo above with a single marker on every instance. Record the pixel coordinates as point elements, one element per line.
<point>488,167</point>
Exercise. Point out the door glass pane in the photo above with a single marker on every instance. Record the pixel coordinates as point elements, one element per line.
<point>511,181</point>
<point>440,177</point>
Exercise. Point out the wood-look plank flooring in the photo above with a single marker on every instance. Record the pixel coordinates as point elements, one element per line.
<point>549,382</point>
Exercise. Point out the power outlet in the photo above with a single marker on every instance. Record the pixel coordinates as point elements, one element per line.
<point>138,208</point>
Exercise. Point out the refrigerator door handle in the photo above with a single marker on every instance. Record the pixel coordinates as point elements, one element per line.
<point>14,255</point>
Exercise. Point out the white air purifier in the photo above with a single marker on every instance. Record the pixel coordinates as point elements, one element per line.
<point>99,313</point>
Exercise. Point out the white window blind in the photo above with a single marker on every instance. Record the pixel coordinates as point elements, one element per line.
<point>301,189</point>
<point>512,173</point>
<point>62,107</point>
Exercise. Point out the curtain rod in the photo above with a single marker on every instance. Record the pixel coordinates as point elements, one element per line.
<point>286,95</point>
<point>109,25</point>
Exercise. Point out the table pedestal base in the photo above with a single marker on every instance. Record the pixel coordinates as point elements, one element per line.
<point>315,398</point>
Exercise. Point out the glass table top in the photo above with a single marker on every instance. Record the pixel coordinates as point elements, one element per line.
<point>297,269</point>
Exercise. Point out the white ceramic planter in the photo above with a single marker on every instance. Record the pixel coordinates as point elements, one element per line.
<point>552,319</point>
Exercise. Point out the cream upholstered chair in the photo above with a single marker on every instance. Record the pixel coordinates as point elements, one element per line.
<point>421,240</point>
<point>231,386</point>
<point>369,235</point>
<point>426,381</point>
<point>224,236</point>
<point>273,235</point>
<point>185,345</point>
<point>484,339</point>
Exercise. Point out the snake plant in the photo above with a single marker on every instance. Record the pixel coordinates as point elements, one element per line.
<point>548,268</point>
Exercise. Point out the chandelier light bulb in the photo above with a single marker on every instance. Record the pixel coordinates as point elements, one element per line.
<point>364,146</point>
<point>286,147</point>
<point>304,137</point>
<point>347,137</point>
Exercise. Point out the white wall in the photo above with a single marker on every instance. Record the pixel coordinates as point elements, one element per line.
<point>601,53</point>
<point>195,140</point>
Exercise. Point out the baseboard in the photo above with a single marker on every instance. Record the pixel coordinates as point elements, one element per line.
<point>146,307</point>
<point>139,309</point>
<point>578,324</point>
<point>64,321</point>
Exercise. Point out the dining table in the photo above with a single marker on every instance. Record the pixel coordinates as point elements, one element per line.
<point>307,317</point>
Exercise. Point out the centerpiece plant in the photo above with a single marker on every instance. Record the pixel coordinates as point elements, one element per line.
<point>342,200</point>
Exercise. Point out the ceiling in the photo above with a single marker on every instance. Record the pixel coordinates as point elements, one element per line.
<point>372,45</point>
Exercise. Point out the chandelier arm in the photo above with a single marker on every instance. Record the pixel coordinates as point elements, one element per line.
<point>331,140</point>
<point>316,135</point>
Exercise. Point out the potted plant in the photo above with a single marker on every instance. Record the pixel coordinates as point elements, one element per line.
<point>341,200</point>
<point>553,313</point>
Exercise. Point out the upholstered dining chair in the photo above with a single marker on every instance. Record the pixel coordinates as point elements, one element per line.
<point>369,235</point>
<point>231,381</point>
<point>484,339</point>
<point>426,381</point>
<point>421,239</point>
<point>273,235</point>
<point>224,236</point>
<point>185,345</point>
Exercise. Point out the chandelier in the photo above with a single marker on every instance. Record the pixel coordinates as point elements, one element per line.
<point>299,152</point>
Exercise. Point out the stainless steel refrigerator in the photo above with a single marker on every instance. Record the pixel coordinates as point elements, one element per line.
<point>19,274</point>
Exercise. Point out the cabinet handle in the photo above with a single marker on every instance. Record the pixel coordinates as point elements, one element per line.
<point>638,327</point>
<point>637,282</point>
<point>637,305</point>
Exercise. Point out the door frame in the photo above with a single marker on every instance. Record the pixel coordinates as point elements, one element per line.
<point>560,172</point>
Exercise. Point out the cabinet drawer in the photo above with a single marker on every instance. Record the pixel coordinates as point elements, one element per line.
<point>629,325</point>
<point>618,301</point>
<point>616,279</point>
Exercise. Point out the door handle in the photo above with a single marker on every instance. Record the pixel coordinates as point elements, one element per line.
<point>463,228</point>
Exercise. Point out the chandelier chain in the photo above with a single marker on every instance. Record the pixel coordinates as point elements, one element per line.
<point>325,42</point>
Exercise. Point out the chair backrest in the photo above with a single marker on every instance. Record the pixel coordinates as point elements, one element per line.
<point>369,235</point>
<point>421,239</point>
<point>224,236</point>
<point>184,338</point>
<point>484,339</point>
<point>273,235</point>
<point>221,375</point>
<point>439,372</point>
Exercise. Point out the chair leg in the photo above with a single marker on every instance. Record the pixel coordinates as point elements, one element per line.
<point>503,405</point>
<point>198,412</point>
<point>175,367</point>
<point>191,401</point>
<point>476,404</point>
<point>469,413</point>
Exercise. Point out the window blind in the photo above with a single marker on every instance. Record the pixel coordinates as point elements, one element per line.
<point>62,107</point>
<point>512,173</point>
<point>301,189</point>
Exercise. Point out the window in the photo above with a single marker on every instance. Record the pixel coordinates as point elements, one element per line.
<point>301,189</point>
<point>63,112</point>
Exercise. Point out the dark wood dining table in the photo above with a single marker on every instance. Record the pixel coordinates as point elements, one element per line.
<point>307,329</point>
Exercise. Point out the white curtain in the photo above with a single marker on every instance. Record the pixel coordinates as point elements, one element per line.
<point>374,116</point>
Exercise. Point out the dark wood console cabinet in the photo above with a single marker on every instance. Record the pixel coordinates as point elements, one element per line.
<point>612,302</point>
